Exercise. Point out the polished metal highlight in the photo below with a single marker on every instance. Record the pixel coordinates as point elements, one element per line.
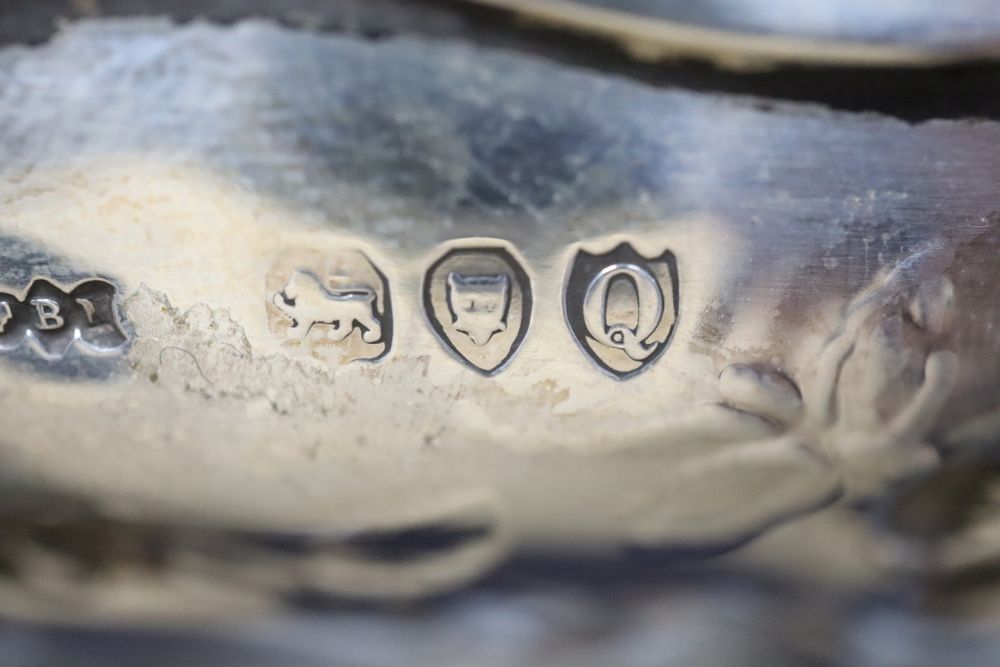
<point>763,33</point>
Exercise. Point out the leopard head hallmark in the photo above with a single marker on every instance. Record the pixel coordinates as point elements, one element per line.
<point>478,305</point>
<point>332,305</point>
<point>478,301</point>
<point>621,307</point>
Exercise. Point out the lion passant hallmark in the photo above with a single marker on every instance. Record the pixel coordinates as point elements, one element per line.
<point>333,305</point>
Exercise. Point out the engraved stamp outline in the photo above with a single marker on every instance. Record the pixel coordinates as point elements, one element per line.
<point>29,336</point>
<point>578,283</point>
<point>498,250</point>
<point>382,317</point>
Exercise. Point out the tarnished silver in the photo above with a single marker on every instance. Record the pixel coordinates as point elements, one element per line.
<point>395,311</point>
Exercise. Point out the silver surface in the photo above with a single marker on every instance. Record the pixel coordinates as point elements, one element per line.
<point>834,332</point>
<point>890,21</point>
<point>756,33</point>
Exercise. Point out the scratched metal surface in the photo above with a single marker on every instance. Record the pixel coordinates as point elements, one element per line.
<point>834,336</point>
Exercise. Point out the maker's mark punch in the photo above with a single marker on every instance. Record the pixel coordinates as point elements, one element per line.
<point>52,318</point>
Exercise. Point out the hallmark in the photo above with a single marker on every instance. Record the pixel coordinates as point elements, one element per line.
<point>478,302</point>
<point>52,318</point>
<point>621,307</point>
<point>333,304</point>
